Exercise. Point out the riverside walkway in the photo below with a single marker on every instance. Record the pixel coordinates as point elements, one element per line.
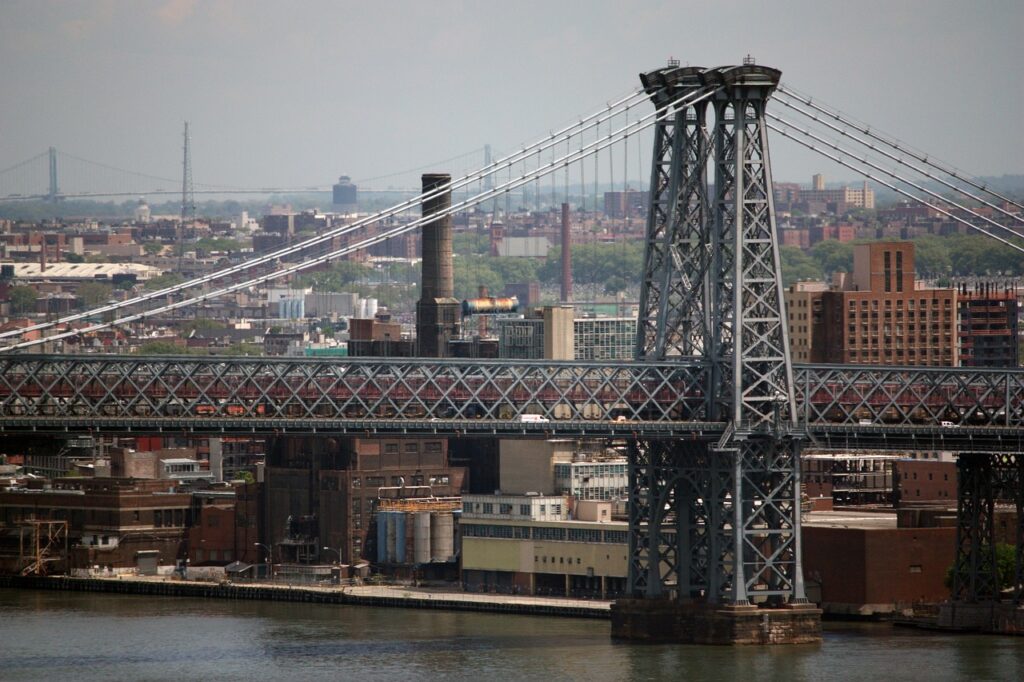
<point>356,595</point>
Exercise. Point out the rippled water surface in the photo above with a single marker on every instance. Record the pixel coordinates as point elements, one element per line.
<point>72,636</point>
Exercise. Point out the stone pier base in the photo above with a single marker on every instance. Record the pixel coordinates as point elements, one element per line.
<point>653,620</point>
<point>992,617</point>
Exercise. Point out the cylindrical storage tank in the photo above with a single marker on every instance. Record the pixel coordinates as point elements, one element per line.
<point>382,537</point>
<point>489,305</point>
<point>400,556</point>
<point>371,308</point>
<point>361,312</point>
<point>421,538</point>
<point>391,537</point>
<point>442,537</point>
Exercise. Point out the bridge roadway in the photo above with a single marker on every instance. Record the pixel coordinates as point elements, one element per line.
<point>840,406</point>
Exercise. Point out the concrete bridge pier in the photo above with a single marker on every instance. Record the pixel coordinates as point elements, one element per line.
<point>692,622</point>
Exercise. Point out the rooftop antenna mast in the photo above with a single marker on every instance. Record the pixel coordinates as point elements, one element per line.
<point>188,197</point>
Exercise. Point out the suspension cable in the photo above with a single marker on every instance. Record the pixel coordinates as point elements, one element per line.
<point>867,162</point>
<point>895,144</point>
<point>838,159</point>
<point>550,141</point>
<point>23,163</point>
<point>592,148</point>
<point>884,152</point>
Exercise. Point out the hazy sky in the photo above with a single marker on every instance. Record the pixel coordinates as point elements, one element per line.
<point>296,93</point>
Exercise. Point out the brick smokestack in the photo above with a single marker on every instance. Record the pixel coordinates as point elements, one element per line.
<point>437,241</point>
<point>566,256</point>
<point>437,313</point>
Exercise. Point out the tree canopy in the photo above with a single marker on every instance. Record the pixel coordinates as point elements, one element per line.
<point>22,298</point>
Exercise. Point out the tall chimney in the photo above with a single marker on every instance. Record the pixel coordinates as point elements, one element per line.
<point>566,256</point>
<point>437,241</point>
<point>437,313</point>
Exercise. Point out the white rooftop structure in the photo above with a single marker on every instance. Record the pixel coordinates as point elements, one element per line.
<point>84,271</point>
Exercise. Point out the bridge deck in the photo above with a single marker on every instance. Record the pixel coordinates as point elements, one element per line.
<point>840,406</point>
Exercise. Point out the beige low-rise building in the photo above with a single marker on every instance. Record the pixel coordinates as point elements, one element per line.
<point>506,547</point>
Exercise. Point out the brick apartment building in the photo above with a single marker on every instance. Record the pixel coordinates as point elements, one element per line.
<point>878,315</point>
<point>988,326</point>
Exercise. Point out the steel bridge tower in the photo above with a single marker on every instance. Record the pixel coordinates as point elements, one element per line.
<point>717,522</point>
<point>54,191</point>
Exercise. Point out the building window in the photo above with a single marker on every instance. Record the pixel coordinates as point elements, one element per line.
<point>887,257</point>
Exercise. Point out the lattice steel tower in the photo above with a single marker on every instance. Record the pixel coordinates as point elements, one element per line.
<point>719,521</point>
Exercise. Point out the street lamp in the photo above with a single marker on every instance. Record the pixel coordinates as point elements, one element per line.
<point>270,562</point>
<point>331,549</point>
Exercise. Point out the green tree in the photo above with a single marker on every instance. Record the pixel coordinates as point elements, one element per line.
<point>471,272</point>
<point>218,244</point>
<point>596,263</point>
<point>833,256</point>
<point>22,298</point>
<point>244,349</point>
<point>931,256</point>
<point>202,324</point>
<point>615,284</point>
<point>153,248</point>
<point>94,293</point>
<point>471,244</point>
<point>1006,567</point>
<point>342,276</point>
<point>797,266</point>
<point>162,348</point>
<point>168,279</point>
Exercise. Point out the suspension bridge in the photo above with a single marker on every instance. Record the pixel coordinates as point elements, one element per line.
<point>713,409</point>
<point>54,175</point>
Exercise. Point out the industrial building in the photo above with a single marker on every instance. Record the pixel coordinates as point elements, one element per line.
<point>117,523</point>
<point>593,338</point>
<point>527,544</point>
<point>338,485</point>
<point>418,534</point>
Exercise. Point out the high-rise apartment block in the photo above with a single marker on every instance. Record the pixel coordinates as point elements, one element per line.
<point>862,197</point>
<point>988,326</point>
<point>877,316</point>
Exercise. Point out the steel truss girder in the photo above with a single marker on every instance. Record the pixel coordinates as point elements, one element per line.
<point>963,396</point>
<point>394,389</point>
<point>192,390</point>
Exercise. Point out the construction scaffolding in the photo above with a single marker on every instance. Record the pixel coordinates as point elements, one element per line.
<point>47,544</point>
<point>420,504</point>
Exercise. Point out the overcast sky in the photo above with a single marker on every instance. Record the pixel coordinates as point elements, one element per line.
<point>297,93</point>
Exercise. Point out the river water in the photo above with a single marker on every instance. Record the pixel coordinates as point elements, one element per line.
<point>74,636</point>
